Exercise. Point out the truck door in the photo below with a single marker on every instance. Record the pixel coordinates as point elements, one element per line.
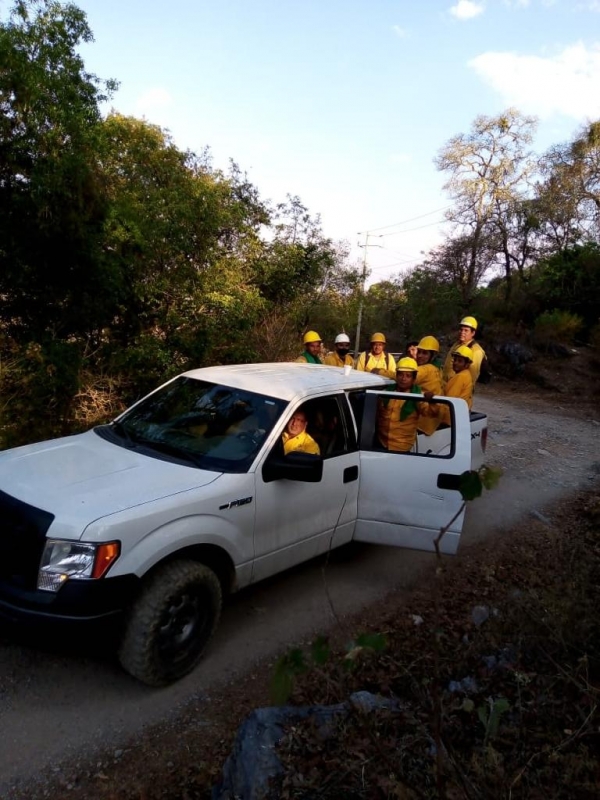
<point>404,498</point>
<point>296,521</point>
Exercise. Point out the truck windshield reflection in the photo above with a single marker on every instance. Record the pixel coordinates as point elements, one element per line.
<point>211,426</point>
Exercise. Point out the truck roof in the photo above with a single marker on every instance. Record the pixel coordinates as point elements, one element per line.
<point>287,380</point>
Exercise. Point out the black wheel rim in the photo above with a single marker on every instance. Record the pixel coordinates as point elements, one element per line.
<point>183,629</point>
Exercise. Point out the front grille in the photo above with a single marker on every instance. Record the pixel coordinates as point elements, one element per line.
<point>22,538</point>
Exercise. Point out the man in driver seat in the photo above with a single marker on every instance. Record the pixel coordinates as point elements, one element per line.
<point>295,437</point>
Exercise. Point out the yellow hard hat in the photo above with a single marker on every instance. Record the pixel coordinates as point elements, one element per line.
<point>407,364</point>
<point>463,351</point>
<point>378,337</point>
<point>429,343</point>
<point>470,322</point>
<point>311,336</point>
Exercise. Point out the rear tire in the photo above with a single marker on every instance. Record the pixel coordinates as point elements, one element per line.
<point>171,622</point>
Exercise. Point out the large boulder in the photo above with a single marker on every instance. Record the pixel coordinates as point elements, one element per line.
<point>253,761</point>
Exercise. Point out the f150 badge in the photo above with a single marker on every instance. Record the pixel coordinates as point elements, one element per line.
<point>235,503</point>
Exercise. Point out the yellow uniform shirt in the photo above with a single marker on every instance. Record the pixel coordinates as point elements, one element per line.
<point>477,354</point>
<point>429,379</point>
<point>459,385</point>
<point>333,360</point>
<point>306,358</point>
<point>396,433</point>
<point>367,362</point>
<point>302,443</point>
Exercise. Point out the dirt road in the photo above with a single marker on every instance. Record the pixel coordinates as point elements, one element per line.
<point>54,706</point>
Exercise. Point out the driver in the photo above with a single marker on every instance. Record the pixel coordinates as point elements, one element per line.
<point>296,439</point>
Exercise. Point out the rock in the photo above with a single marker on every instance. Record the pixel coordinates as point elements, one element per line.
<point>516,355</point>
<point>506,659</point>
<point>491,662</point>
<point>541,517</point>
<point>479,615</point>
<point>544,452</point>
<point>467,685</point>
<point>254,761</point>
<point>417,619</point>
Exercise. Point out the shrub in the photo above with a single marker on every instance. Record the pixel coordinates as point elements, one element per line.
<point>38,382</point>
<point>556,327</point>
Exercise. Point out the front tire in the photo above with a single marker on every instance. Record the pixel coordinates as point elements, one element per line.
<point>171,622</point>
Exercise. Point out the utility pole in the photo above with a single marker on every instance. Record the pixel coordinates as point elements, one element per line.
<point>362,290</point>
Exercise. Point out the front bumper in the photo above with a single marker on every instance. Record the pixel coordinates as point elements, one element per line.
<point>78,604</point>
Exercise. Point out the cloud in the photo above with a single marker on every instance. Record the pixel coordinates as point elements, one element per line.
<point>401,33</point>
<point>565,83</point>
<point>466,9</point>
<point>152,100</point>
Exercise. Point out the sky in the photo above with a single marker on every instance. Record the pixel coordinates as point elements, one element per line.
<point>345,103</point>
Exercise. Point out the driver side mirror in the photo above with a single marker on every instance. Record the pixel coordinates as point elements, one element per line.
<point>293,467</point>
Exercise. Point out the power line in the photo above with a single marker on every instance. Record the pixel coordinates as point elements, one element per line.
<point>418,228</point>
<point>412,219</point>
<point>402,255</point>
<point>394,264</point>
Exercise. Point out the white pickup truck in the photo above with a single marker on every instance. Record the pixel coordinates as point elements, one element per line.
<point>145,523</point>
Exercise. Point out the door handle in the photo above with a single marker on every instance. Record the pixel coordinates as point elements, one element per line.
<point>351,474</point>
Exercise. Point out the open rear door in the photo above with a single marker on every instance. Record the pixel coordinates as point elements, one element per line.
<point>405,499</point>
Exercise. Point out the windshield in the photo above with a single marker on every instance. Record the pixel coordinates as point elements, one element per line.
<point>214,427</point>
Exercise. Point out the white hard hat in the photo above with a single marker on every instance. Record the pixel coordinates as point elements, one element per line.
<point>342,337</point>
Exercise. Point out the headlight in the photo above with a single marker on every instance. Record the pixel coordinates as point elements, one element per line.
<point>62,560</point>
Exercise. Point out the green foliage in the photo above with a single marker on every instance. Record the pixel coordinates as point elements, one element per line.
<point>385,309</point>
<point>52,204</point>
<point>570,281</point>
<point>556,326</point>
<point>430,302</point>
<point>320,650</point>
<point>490,476</point>
<point>290,665</point>
<point>473,482</point>
<point>471,485</point>
<point>297,661</point>
<point>490,715</point>
<point>38,382</point>
<point>376,642</point>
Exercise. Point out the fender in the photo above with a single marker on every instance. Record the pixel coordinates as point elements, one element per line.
<point>150,537</point>
<point>177,535</point>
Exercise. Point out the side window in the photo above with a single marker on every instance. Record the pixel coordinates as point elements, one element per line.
<point>407,427</point>
<point>328,425</point>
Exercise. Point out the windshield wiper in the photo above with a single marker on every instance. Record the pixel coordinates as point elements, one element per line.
<point>172,450</point>
<point>121,430</point>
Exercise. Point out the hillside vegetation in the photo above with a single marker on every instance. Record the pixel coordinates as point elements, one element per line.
<point>125,260</point>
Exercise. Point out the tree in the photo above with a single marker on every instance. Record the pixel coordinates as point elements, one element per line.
<point>185,238</point>
<point>489,170</point>
<point>569,195</point>
<point>570,281</point>
<point>299,265</point>
<point>52,206</point>
<point>430,300</point>
<point>458,263</point>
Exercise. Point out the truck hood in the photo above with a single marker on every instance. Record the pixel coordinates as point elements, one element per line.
<point>82,478</point>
